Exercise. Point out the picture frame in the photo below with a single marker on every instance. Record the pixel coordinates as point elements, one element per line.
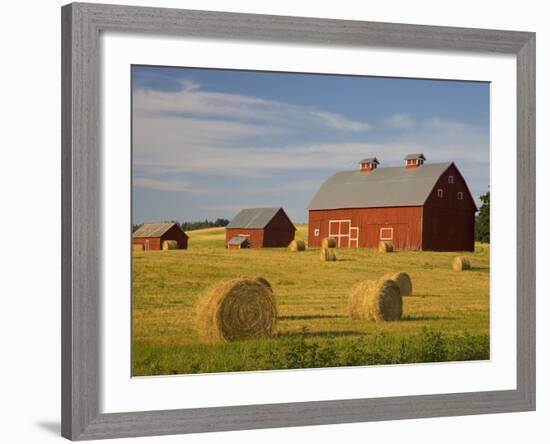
<point>81,182</point>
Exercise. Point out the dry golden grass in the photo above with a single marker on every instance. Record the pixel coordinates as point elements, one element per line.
<point>236,309</point>
<point>136,248</point>
<point>310,294</point>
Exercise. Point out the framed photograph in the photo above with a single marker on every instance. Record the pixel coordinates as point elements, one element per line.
<point>278,221</point>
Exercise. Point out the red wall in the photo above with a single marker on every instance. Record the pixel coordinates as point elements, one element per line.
<point>449,223</point>
<point>405,221</point>
<point>442,224</point>
<point>279,232</point>
<point>155,243</point>
<point>256,235</point>
<point>150,243</point>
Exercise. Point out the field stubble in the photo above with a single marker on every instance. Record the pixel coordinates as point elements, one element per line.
<point>447,318</point>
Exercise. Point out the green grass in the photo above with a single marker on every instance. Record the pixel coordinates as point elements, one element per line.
<point>447,319</point>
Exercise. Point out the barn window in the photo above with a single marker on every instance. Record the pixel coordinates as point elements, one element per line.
<point>440,192</point>
<point>316,232</point>
<point>460,195</point>
<point>386,233</point>
<point>451,179</point>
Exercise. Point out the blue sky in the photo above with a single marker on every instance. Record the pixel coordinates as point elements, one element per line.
<point>207,143</point>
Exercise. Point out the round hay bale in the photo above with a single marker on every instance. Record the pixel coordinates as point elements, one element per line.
<point>169,245</point>
<point>461,263</point>
<point>385,247</point>
<point>264,282</point>
<point>376,301</point>
<point>297,245</point>
<point>137,248</point>
<point>327,255</point>
<point>328,242</point>
<point>235,310</point>
<point>357,300</point>
<point>403,281</point>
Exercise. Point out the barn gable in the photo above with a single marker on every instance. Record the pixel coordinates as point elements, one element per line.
<point>256,218</point>
<point>156,229</point>
<point>458,182</point>
<point>152,235</point>
<point>265,227</point>
<point>379,188</point>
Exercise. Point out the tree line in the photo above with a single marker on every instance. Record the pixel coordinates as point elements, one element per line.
<point>482,228</point>
<point>195,225</point>
<point>482,223</point>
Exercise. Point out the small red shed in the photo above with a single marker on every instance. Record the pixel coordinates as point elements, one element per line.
<point>417,206</point>
<point>264,227</point>
<point>238,242</point>
<point>152,235</point>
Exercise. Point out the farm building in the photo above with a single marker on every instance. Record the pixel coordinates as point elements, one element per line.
<point>417,206</point>
<point>263,227</point>
<point>151,236</point>
<point>238,242</point>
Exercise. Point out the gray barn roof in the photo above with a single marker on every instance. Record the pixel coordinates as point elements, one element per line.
<point>153,230</point>
<point>382,187</point>
<point>253,217</point>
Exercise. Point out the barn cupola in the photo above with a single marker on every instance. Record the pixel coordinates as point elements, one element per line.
<point>368,164</point>
<point>414,160</point>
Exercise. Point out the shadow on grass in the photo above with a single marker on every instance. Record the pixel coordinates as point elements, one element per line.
<point>483,269</point>
<point>322,334</point>
<point>308,317</point>
<point>426,318</point>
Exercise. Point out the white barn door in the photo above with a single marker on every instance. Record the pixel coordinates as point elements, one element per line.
<point>346,236</point>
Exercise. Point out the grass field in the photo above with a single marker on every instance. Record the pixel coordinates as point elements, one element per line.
<point>447,319</point>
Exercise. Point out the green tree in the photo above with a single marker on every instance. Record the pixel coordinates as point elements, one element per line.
<point>483,219</point>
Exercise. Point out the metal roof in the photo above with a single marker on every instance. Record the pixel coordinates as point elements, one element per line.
<point>415,156</point>
<point>253,217</point>
<point>382,187</point>
<point>154,229</point>
<point>238,240</point>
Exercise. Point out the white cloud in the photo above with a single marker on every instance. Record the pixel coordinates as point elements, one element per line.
<point>191,101</point>
<point>437,123</point>
<point>400,121</point>
<point>339,122</point>
<point>193,131</point>
<point>161,183</point>
<point>228,158</point>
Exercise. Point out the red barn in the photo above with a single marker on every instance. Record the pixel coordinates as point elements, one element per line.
<point>151,236</point>
<point>264,227</point>
<point>417,206</point>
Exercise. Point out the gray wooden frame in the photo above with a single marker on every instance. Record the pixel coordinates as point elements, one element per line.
<point>81,166</point>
